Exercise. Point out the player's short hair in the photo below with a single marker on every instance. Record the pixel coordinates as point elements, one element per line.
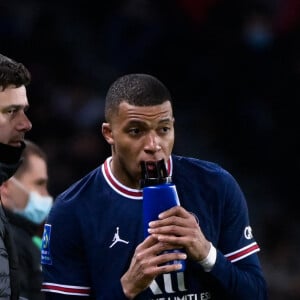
<point>13,73</point>
<point>135,89</point>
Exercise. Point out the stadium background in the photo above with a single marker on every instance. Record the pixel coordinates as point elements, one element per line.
<point>233,68</point>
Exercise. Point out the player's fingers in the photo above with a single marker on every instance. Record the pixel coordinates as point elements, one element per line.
<point>189,221</point>
<point>158,264</point>
<point>174,211</point>
<point>148,242</point>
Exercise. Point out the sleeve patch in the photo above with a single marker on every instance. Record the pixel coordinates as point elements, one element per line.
<point>45,251</point>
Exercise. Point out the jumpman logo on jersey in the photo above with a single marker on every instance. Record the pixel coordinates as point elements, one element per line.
<point>117,239</point>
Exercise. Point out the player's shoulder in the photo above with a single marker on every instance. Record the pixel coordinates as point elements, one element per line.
<point>184,163</point>
<point>204,170</point>
<point>81,188</point>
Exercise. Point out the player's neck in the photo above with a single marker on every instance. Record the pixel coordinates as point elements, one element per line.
<point>124,177</point>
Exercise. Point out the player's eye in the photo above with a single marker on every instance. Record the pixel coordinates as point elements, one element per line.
<point>134,131</point>
<point>165,130</point>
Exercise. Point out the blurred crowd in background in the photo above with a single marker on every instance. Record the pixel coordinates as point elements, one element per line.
<point>233,68</point>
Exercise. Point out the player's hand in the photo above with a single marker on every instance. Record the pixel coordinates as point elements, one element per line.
<point>178,227</point>
<point>147,263</point>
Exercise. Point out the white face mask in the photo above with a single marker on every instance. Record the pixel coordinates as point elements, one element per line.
<point>37,208</point>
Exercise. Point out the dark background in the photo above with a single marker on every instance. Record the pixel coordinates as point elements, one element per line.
<point>232,67</point>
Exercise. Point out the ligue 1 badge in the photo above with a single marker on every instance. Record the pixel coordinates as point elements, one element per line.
<point>45,251</point>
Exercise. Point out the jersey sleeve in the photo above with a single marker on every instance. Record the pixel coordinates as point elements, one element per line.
<point>237,266</point>
<point>237,239</point>
<point>62,256</point>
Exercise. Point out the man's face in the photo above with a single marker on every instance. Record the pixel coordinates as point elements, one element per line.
<point>139,134</point>
<point>13,120</point>
<point>34,178</point>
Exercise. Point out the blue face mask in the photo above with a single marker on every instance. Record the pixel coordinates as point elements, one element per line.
<point>37,208</point>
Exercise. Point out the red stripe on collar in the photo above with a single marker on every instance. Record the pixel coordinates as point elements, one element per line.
<point>119,187</point>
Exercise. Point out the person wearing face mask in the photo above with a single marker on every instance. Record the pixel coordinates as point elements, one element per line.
<point>27,202</point>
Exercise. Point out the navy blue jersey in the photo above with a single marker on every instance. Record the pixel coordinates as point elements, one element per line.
<point>95,225</point>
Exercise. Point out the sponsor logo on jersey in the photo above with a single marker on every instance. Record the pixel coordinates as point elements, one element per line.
<point>174,284</point>
<point>202,296</point>
<point>116,239</point>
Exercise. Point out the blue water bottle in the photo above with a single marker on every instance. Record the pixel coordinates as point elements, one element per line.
<point>159,194</point>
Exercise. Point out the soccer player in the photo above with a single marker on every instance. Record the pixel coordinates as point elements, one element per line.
<point>93,242</point>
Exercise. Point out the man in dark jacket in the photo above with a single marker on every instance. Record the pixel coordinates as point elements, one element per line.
<point>14,78</point>
<point>27,203</point>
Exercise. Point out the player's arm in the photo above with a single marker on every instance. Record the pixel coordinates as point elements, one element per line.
<point>240,274</point>
<point>54,296</point>
<point>237,267</point>
<point>65,270</point>
<point>243,279</point>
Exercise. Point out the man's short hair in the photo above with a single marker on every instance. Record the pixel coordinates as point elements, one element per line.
<point>13,73</point>
<point>135,89</point>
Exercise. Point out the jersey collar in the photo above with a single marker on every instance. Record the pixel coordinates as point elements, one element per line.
<point>120,188</point>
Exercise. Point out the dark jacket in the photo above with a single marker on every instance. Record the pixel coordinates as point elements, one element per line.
<point>9,280</point>
<point>10,159</point>
<point>29,256</point>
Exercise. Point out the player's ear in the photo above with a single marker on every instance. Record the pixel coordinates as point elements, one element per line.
<point>107,133</point>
